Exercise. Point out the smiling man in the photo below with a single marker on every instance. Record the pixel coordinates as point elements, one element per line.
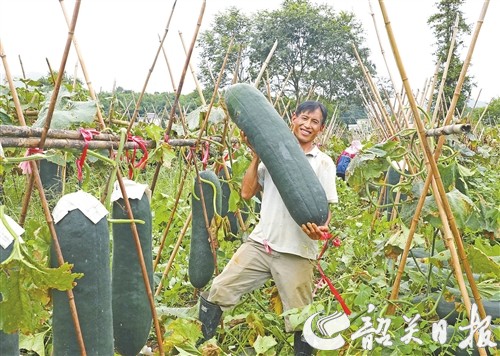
<point>277,248</point>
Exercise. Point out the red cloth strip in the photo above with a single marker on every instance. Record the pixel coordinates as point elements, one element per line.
<point>327,237</point>
<point>87,135</point>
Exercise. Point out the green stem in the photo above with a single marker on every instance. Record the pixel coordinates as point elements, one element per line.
<point>101,157</point>
<point>16,250</point>
<point>35,157</point>
<point>126,221</point>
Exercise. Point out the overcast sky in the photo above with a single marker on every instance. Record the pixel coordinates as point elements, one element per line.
<point>118,39</point>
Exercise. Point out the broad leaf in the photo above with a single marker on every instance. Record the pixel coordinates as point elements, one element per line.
<point>67,112</point>
<point>481,263</point>
<point>263,344</point>
<point>25,290</point>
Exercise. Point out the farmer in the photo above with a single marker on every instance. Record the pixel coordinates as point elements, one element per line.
<point>277,248</point>
<point>346,156</point>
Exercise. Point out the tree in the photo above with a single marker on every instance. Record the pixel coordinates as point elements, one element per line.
<point>315,46</point>
<point>214,44</point>
<point>489,116</point>
<point>314,53</point>
<point>442,24</point>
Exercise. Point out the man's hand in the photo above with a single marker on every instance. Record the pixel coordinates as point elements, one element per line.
<point>244,138</point>
<point>314,231</point>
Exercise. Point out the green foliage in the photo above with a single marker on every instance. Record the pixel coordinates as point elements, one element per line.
<point>214,43</point>
<point>363,269</point>
<point>488,116</point>
<point>25,290</point>
<point>442,24</point>
<point>67,112</point>
<point>307,34</point>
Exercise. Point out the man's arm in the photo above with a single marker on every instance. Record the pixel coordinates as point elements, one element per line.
<point>250,183</point>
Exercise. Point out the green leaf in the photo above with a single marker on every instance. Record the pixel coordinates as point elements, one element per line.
<point>195,118</point>
<point>492,251</point>
<point>264,344</point>
<point>182,334</point>
<point>34,343</point>
<point>363,295</point>
<point>25,290</point>
<point>480,262</point>
<point>67,112</point>
<point>400,237</point>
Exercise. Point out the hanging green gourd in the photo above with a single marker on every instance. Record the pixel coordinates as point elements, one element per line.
<point>132,317</point>
<point>83,235</point>
<point>201,259</point>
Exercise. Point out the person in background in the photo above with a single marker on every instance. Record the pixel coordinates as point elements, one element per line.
<point>277,248</point>
<point>346,156</point>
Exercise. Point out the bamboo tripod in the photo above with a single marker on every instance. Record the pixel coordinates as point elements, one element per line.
<point>451,234</point>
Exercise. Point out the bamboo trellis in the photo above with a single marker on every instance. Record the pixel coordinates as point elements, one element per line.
<point>451,234</point>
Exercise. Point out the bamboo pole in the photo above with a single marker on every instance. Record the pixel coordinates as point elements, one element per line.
<point>237,66</point>
<point>454,229</point>
<point>282,88</point>
<point>140,256</point>
<point>22,66</point>
<point>68,144</point>
<point>449,116</point>
<point>84,69</point>
<point>55,92</point>
<point>174,87</point>
<point>433,172</point>
<point>445,70</point>
<point>265,64</point>
<point>474,131</point>
<point>448,130</point>
<point>30,181</point>
<point>150,72</point>
<point>193,73</point>
<point>432,87</point>
<point>382,51</point>
<point>60,75</point>
<point>45,206</point>
<point>179,88</point>
<point>174,253</point>
<point>171,219</point>
<point>186,64</point>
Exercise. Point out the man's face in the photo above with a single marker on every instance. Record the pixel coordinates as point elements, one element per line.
<point>307,125</point>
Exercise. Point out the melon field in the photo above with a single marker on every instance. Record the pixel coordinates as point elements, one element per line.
<point>118,209</point>
<point>372,223</point>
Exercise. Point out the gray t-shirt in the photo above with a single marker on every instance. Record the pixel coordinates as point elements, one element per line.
<point>276,228</point>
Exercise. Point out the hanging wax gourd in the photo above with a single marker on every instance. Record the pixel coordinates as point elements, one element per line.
<point>83,235</point>
<point>201,259</point>
<point>132,317</point>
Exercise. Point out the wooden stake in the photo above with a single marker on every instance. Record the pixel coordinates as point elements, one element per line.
<point>45,206</point>
<point>84,69</point>
<point>179,90</point>
<point>433,172</point>
<point>195,78</point>
<point>138,103</point>
<point>265,64</point>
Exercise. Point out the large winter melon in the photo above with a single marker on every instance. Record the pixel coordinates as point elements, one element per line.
<point>84,244</point>
<point>280,152</point>
<point>132,317</point>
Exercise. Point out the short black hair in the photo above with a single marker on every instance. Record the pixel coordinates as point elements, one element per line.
<point>311,105</point>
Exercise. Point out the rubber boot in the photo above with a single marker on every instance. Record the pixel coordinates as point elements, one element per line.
<point>300,346</point>
<point>209,316</point>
